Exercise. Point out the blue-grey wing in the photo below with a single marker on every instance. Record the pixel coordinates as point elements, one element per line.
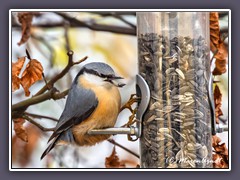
<point>79,106</point>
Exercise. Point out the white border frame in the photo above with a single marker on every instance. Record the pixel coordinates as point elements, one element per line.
<point>134,169</point>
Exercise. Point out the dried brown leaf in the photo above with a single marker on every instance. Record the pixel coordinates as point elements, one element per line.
<point>217,45</point>
<point>113,161</point>
<point>221,149</point>
<point>221,59</point>
<point>218,103</point>
<point>219,162</point>
<point>21,151</point>
<point>31,74</point>
<point>25,18</point>
<point>220,156</point>
<point>215,141</point>
<point>214,30</point>
<point>20,130</point>
<point>16,69</point>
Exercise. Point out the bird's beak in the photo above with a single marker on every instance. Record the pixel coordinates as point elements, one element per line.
<point>111,79</point>
<point>116,77</point>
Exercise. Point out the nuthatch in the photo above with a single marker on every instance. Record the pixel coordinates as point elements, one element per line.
<point>93,102</point>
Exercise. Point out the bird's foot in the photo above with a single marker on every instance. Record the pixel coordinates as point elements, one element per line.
<point>131,119</point>
<point>133,99</point>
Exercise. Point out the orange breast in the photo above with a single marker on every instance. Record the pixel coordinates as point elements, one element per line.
<point>104,116</point>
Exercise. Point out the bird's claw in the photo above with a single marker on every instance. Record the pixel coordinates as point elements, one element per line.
<point>130,102</point>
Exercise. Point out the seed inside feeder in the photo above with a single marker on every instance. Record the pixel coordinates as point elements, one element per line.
<point>179,113</point>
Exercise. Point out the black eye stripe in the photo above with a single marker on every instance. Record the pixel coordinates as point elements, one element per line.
<point>91,71</point>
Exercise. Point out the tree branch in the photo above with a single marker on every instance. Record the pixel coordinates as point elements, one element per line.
<point>40,116</point>
<point>224,30</point>
<point>98,27</point>
<point>118,15</point>
<point>124,20</point>
<point>223,14</point>
<point>93,26</point>
<point>67,45</point>
<point>34,100</point>
<point>18,108</point>
<point>37,124</point>
<point>104,14</point>
<point>121,146</point>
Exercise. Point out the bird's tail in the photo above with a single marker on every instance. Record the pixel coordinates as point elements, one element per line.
<point>63,138</point>
<point>50,147</point>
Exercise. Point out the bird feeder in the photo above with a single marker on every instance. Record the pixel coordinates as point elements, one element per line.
<point>174,60</point>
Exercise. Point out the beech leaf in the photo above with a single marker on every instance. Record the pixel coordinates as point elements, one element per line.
<point>20,130</point>
<point>219,161</point>
<point>214,30</point>
<point>16,69</point>
<point>113,161</point>
<point>221,59</point>
<point>215,141</point>
<point>220,156</point>
<point>21,151</point>
<point>25,18</point>
<point>31,74</point>
<point>217,45</point>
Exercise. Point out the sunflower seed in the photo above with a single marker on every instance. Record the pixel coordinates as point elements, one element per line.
<point>151,118</point>
<point>183,89</point>
<point>146,58</point>
<point>142,53</point>
<point>154,106</point>
<point>170,70</point>
<point>178,120</point>
<point>186,124</point>
<point>164,130</point>
<point>180,73</point>
<point>188,94</point>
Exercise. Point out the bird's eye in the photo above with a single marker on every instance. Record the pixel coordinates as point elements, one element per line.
<point>107,79</point>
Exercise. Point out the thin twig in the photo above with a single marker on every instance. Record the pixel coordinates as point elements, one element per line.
<point>40,116</point>
<point>105,14</point>
<point>46,81</point>
<point>223,14</point>
<point>28,55</point>
<point>23,105</point>
<point>121,146</point>
<point>61,95</point>
<point>124,20</point>
<point>47,45</point>
<point>94,27</point>
<point>37,124</point>
<point>224,35</point>
<point>67,45</point>
<point>97,27</point>
<point>61,74</point>
<point>223,120</point>
<point>118,15</point>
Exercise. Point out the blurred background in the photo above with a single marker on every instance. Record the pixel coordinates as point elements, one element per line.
<point>104,37</point>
